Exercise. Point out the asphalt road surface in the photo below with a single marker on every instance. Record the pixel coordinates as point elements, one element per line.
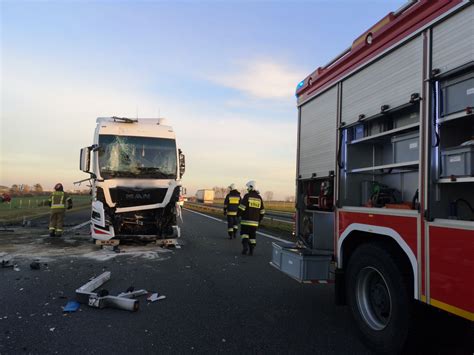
<point>216,299</point>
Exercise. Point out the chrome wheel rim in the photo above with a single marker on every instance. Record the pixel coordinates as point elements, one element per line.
<point>373,298</point>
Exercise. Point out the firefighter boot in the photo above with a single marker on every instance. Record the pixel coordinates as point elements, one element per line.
<point>252,247</point>
<point>51,233</point>
<point>245,246</point>
<point>231,234</point>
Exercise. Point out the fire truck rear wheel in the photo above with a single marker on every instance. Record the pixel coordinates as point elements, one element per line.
<point>379,298</point>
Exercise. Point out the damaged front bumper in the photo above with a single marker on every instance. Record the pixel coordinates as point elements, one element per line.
<point>147,223</point>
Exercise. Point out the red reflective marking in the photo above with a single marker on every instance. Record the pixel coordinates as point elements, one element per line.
<point>98,231</point>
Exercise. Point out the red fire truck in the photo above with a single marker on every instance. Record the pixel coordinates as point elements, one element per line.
<point>385,171</point>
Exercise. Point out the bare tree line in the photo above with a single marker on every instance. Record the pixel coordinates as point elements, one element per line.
<point>30,190</point>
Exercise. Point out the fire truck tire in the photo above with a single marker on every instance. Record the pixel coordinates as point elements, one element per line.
<point>379,298</point>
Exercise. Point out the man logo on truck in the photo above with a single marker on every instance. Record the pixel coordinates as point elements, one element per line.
<point>138,196</point>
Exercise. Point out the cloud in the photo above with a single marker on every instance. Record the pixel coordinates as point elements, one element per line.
<point>49,114</point>
<point>263,79</point>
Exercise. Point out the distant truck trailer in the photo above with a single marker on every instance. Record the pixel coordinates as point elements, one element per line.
<point>205,196</point>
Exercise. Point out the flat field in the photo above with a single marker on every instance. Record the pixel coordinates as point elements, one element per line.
<point>34,206</point>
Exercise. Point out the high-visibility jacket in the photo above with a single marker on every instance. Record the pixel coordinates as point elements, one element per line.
<point>59,199</point>
<point>231,203</point>
<point>251,209</point>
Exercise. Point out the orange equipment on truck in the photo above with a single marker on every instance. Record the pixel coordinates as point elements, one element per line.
<point>385,171</point>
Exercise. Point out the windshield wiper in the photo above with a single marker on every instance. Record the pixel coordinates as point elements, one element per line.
<point>115,174</point>
<point>153,171</point>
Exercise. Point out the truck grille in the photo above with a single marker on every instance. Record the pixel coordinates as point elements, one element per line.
<point>128,197</point>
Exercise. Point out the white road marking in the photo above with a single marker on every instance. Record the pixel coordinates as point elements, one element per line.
<point>71,229</point>
<point>220,220</point>
<point>79,226</point>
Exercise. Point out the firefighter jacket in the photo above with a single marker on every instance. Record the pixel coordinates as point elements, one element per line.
<point>251,209</point>
<point>58,201</point>
<point>231,203</point>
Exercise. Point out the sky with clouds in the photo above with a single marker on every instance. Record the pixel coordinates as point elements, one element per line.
<point>222,72</point>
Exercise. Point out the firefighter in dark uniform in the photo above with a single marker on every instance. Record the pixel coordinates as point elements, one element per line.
<point>251,211</point>
<point>58,201</point>
<point>231,206</point>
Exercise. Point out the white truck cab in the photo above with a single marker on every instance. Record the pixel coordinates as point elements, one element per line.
<point>136,170</point>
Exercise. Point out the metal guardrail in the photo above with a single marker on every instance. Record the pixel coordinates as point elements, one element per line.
<point>284,217</point>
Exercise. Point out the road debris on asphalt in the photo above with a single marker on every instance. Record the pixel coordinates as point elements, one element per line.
<point>6,264</point>
<point>71,306</point>
<point>127,300</point>
<point>152,297</point>
<point>35,265</point>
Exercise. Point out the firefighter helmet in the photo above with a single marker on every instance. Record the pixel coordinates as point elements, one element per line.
<point>58,187</point>
<point>232,186</point>
<point>251,185</point>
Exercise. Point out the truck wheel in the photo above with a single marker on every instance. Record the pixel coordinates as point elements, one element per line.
<point>379,298</point>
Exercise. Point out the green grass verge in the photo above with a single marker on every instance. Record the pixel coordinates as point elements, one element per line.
<point>278,206</point>
<point>34,207</point>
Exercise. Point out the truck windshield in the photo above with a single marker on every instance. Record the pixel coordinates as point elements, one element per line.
<point>137,157</point>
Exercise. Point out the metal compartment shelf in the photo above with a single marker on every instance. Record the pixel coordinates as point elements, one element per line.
<point>455,180</point>
<point>412,164</point>
<point>386,134</point>
<point>455,116</point>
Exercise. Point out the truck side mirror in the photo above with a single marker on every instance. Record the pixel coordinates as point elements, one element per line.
<point>182,163</point>
<point>85,159</point>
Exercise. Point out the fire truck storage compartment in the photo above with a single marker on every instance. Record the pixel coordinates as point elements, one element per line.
<point>305,264</point>
<point>405,147</point>
<point>317,135</point>
<point>314,194</point>
<point>453,41</point>
<point>451,192</point>
<point>386,159</point>
<point>323,231</point>
<point>388,82</point>
<point>315,225</point>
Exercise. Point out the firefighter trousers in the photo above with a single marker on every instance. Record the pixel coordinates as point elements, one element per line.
<point>56,221</point>
<point>232,225</point>
<point>248,235</point>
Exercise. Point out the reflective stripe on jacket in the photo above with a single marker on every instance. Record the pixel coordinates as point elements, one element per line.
<point>251,209</point>
<point>58,200</point>
<point>231,203</point>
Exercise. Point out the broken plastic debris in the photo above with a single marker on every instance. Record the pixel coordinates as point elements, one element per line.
<point>51,329</point>
<point>71,306</point>
<point>6,264</point>
<point>16,268</point>
<point>155,297</point>
<point>35,265</point>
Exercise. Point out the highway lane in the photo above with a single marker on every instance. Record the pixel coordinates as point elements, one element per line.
<point>217,300</point>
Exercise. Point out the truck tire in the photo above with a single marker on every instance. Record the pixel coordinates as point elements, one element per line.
<point>379,298</point>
